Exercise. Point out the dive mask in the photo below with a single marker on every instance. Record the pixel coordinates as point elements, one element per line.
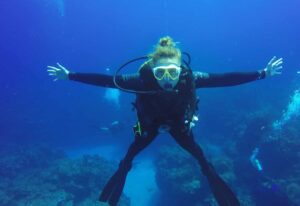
<point>171,71</point>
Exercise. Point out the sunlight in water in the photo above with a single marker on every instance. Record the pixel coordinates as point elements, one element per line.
<point>113,97</point>
<point>59,5</point>
<point>293,110</point>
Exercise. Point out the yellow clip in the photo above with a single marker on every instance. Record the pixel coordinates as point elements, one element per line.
<point>137,129</point>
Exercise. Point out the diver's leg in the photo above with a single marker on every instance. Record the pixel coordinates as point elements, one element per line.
<point>221,191</point>
<point>113,189</point>
<point>187,142</point>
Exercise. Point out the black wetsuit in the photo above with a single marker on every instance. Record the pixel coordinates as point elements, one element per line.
<point>184,137</point>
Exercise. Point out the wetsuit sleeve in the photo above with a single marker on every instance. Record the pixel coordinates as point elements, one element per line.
<point>129,81</point>
<point>203,80</point>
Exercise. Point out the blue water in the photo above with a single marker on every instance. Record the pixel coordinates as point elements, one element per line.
<point>93,35</point>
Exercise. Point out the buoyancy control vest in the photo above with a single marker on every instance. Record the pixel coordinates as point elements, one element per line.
<point>164,107</point>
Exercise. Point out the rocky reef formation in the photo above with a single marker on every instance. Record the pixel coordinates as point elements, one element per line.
<point>41,176</point>
<point>277,183</point>
<point>180,179</point>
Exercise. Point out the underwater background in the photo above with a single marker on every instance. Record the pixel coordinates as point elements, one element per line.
<point>61,141</point>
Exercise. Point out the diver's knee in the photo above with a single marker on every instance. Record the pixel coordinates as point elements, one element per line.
<point>125,165</point>
<point>208,169</point>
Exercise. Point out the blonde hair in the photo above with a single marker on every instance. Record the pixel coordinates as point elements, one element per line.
<point>165,48</point>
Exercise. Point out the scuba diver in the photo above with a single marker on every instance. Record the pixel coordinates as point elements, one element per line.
<point>165,88</point>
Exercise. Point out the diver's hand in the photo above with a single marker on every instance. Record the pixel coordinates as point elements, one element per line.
<point>274,66</point>
<point>59,72</point>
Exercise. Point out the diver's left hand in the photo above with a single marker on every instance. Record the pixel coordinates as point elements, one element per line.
<point>274,66</point>
<point>59,72</point>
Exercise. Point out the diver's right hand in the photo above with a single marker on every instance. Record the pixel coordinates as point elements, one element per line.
<point>59,72</point>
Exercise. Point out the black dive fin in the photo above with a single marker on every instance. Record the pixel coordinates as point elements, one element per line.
<point>221,191</point>
<point>113,189</point>
<point>109,188</point>
<point>117,192</point>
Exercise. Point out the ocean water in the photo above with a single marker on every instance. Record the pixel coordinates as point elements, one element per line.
<point>57,126</point>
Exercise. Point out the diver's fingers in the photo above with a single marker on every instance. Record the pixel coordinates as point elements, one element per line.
<point>61,66</point>
<point>52,74</point>
<point>54,68</point>
<point>277,62</point>
<point>279,68</point>
<point>278,72</point>
<point>51,71</point>
<point>55,79</point>
<point>272,60</point>
<point>58,64</point>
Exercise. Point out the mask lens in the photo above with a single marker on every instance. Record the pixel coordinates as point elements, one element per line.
<point>159,73</point>
<point>174,73</point>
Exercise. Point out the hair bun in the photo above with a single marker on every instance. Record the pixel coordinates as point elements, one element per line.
<point>165,48</point>
<point>166,41</point>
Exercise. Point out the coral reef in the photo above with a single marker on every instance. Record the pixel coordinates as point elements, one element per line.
<point>40,176</point>
<point>174,164</point>
<point>178,175</point>
<point>293,191</point>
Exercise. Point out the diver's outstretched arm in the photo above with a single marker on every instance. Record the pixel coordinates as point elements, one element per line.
<point>236,78</point>
<point>129,81</point>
